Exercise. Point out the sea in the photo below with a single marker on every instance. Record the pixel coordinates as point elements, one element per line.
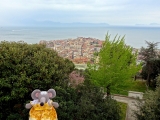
<point>135,36</point>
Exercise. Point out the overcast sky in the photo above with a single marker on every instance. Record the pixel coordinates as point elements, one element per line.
<point>113,12</point>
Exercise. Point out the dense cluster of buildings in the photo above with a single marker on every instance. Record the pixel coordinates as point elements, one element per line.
<point>79,50</point>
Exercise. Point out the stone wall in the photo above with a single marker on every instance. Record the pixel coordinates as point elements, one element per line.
<point>135,94</point>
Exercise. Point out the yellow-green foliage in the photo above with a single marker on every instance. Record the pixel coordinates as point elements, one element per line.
<point>117,64</point>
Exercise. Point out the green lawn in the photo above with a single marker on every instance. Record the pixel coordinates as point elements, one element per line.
<point>138,85</point>
<point>123,109</point>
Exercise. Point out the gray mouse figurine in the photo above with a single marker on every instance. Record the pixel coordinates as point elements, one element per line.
<point>42,106</point>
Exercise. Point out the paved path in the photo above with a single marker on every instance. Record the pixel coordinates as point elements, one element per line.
<point>130,107</point>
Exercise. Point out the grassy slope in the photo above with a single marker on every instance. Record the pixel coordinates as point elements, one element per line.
<point>123,108</point>
<point>138,85</point>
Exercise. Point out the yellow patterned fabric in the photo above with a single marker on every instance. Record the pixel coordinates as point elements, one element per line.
<point>44,112</point>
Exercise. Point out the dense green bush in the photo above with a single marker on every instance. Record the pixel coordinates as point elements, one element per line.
<point>23,68</point>
<point>66,97</point>
<point>93,105</point>
<point>85,102</point>
<point>150,108</point>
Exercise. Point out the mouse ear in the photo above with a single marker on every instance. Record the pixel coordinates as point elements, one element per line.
<point>35,94</point>
<point>51,93</point>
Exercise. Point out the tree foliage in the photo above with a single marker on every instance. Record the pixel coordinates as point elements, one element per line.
<point>149,109</point>
<point>25,67</point>
<point>116,64</point>
<point>151,59</point>
<point>86,101</point>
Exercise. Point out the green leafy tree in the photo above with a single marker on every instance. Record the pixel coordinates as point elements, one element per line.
<point>116,64</point>
<point>151,60</point>
<point>23,68</point>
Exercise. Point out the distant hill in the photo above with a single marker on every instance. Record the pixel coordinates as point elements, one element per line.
<point>59,24</point>
<point>155,24</point>
<point>151,24</point>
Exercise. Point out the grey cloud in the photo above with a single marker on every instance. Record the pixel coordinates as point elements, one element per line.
<point>111,11</point>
